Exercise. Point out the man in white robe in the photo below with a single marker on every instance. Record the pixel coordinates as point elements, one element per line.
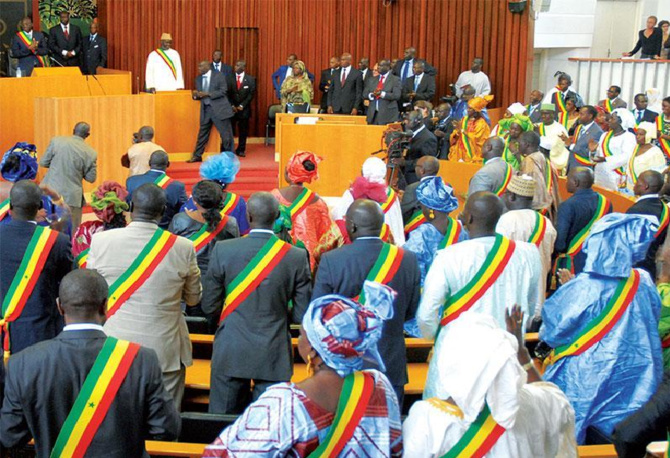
<point>474,78</point>
<point>551,131</point>
<point>163,71</point>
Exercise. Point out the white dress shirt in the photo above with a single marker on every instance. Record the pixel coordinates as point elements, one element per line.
<point>159,76</point>
<point>479,81</point>
<point>66,28</point>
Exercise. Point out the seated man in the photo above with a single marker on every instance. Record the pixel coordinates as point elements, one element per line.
<point>603,327</point>
<point>51,384</point>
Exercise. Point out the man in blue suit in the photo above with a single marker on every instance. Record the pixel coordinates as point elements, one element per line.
<point>30,47</point>
<point>283,71</point>
<point>219,66</point>
<point>587,130</point>
<point>175,191</point>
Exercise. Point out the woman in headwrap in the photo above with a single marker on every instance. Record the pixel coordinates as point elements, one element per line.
<point>470,133</point>
<point>601,118</point>
<point>617,369</point>
<point>514,109</point>
<point>572,106</point>
<point>109,204</point>
<point>337,336</point>
<point>372,185</point>
<point>612,152</point>
<point>20,163</point>
<point>296,89</point>
<point>645,156</point>
<point>222,170</point>
<point>312,226</point>
<point>514,126</point>
<point>487,373</point>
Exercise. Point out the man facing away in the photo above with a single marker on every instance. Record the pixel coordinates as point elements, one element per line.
<point>137,156</point>
<point>494,175</point>
<point>50,387</point>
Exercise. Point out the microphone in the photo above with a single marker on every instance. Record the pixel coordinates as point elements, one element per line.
<point>54,60</point>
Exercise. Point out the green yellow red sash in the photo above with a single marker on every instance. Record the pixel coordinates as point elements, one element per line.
<point>416,220</point>
<point>163,181</point>
<point>508,177</point>
<point>253,274</point>
<point>508,156</point>
<point>607,151</point>
<point>202,238</point>
<point>167,61</point>
<point>665,144</point>
<point>488,273</point>
<point>663,220</point>
<point>599,326</point>
<point>608,106</point>
<point>562,110</point>
<point>479,438</point>
<point>385,267</point>
<point>229,203</point>
<point>140,270</point>
<point>539,230</point>
<point>23,36</point>
<point>82,258</point>
<point>25,279</point>
<point>585,161</point>
<point>390,198</point>
<point>97,393</point>
<point>631,165</point>
<point>464,139</point>
<point>452,234</point>
<point>301,202</point>
<point>385,233</point>
<point>354,400</point>
<point>4,209</point>
<point>548,176</point>
<point>542,130</point>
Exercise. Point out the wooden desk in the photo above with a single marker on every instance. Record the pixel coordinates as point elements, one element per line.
<point>410,342</point>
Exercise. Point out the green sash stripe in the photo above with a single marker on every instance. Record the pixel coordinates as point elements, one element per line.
<point>252,264</point>
<point>471,432</point>
<point>136,263</point>
<point>27,256</point>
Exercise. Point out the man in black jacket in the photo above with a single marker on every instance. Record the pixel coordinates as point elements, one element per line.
<point>641,113</point>
<point>326,82</point>
<point>30,47</point>
<point>65,42</point>
<point>95,51</point>
<point>346,92</point>
<point>219,66</point>
<point>423,143</point>
<point>420,86</point>
<point>403,68</point>
<point>242,92</point>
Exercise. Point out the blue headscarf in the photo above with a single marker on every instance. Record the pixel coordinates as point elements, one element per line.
<point>221,168</point>
<point>434,194</point>
<point>345,333</point>
<point>27,162</point>
<point>617,242</point>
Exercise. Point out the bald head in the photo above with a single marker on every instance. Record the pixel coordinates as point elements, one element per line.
<point>493,147</point>
<point>82,297</point>
<point>482,211</point>
<point>649,182</point>
<point>579,178</point>
<point>25,199</point>
<point>149,203</point>
<point>146,133</point>
<point>82,129</point>
<point>263,210</point>
<point>364,218</point>
<point>469,91</point>
<point>427,166</point>
<point>159,160</point>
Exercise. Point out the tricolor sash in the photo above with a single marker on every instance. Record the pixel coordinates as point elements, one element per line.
<point>608,106</point>
<point>479,438</point>
<point>607,151</point>
<point>416,220</point>
<point>451,235</point>
<point>301,202</point>
<point>354,400</point>
<point>508,177</point>
<point>385,233</point>
<point>167,61</point>
<point>385,267</point>
<point>542,130</point>
<point>585,161</point>
<point>562,110</point>
<point>539,230</point>
<point>491,269</point>
<point>82,258</point>
<point>390,198</point>
<point>665,144</point>
<point>97,394</point>
<point>631,165</point>
<point>140,269</point>
<point>163,181</point>
<point>25,278</point>
<point>548,176</point>
<point>4,209</point>
<point>663,220</point>
<point>599,326</point>
<point>463,138</point>
<point>202,238</point>
<point>229,203</point>
<point>23,36</point>
<point>253,274</point>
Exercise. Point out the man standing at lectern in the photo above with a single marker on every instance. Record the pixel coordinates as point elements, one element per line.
<point>29,47</point>
<point>163,72</point>
<point>65,42</point>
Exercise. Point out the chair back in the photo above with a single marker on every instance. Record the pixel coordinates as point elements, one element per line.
<point>203,428</point>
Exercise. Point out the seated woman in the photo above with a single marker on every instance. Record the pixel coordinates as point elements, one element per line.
<point>569,121</point>
<point>310,217</point>
<point>490,399</point>
<point>109,204</point>
<point>470,133</point>
<point>297,89</point>
<point>222,170</point>
<point>514,109</point>
<point>613,151</point>
<point>338,334</point>
<point>646,156</point>
<point>514,127</point>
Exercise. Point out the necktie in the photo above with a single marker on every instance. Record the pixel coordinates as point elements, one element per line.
<point>405,70</point>
<point>416,83</point>
<point>205,84</point>
<point>239,82</point>
<point>67,33</point>
<point>639,116</point>
<point>218,67</point>
<point>380,84</point>
<point>91,38</point>
<point>344,77</point>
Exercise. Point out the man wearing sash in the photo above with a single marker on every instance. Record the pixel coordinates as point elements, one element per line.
<point>495,173</point>
<point>603,327</point>
<point>175,191</point>
<point>30,48</point>
<point>375,261</point>
<point>163,71</point>
<point>248,287</point>
<point>613,101</point>
<point>29,313</point>
<point>553,131</point>
<point>537,165</point>
<point>84,393</point>
<point>587,130</point>
<point>149,272</point>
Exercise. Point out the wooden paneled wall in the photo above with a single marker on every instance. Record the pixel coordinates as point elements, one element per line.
<point>447,33</point>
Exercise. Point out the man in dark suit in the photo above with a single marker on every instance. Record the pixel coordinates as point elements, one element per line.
<point>65,42</point>
<point>30,47</point>
<point>211,89</point>
<point>39,320</point>
<point>343,271</point>
<point>52,374</point>
<point>253,342</point>
<point>175,191</point>
<point>533,108</point>
<point>383,92</point>
<point>647,187</point>
<point>346,94</point>
<point>443,129</point>
<point>426,167</point>
<point>640,112</point>
<point>364,68</point>
<point>221,67</point>
<point>420,86</point>
<point>326,82</point>
<point>95,51</point>
<point>403,68</point>
<point>242,92</point>
<point>423,143</point>
<point>590,130</point>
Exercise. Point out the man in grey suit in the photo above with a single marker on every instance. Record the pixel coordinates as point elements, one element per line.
<point>253,341</point>
<point>587,130</point>
<point>44,381</point>
<point>492,174</point>
<point>383,91</point>
<point>215,108</point>
<point>152,316</point>
<point>70,160</point>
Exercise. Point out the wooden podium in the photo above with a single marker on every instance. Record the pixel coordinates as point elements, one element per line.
<point>56,71</point>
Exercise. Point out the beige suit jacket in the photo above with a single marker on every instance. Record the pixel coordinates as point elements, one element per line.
<point>152,317</point>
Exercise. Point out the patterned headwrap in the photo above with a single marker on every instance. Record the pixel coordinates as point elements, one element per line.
<point>522,120</point>
<point>650,131</point>
<point>300,64</point>
<point>221,168</point>
<point>434,194</point>
<point>345,333</point>
<point>296,170</point>
<point>109,199</point>
<point>26,168</point>
<point>479,103</point>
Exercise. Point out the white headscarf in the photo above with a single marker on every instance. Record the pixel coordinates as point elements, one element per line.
<point>516,108</point>
<point>650,129</point>
<point>627,118</point>
<point>655,98</point>
<point>374,170</point>
<point>477,363</point>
